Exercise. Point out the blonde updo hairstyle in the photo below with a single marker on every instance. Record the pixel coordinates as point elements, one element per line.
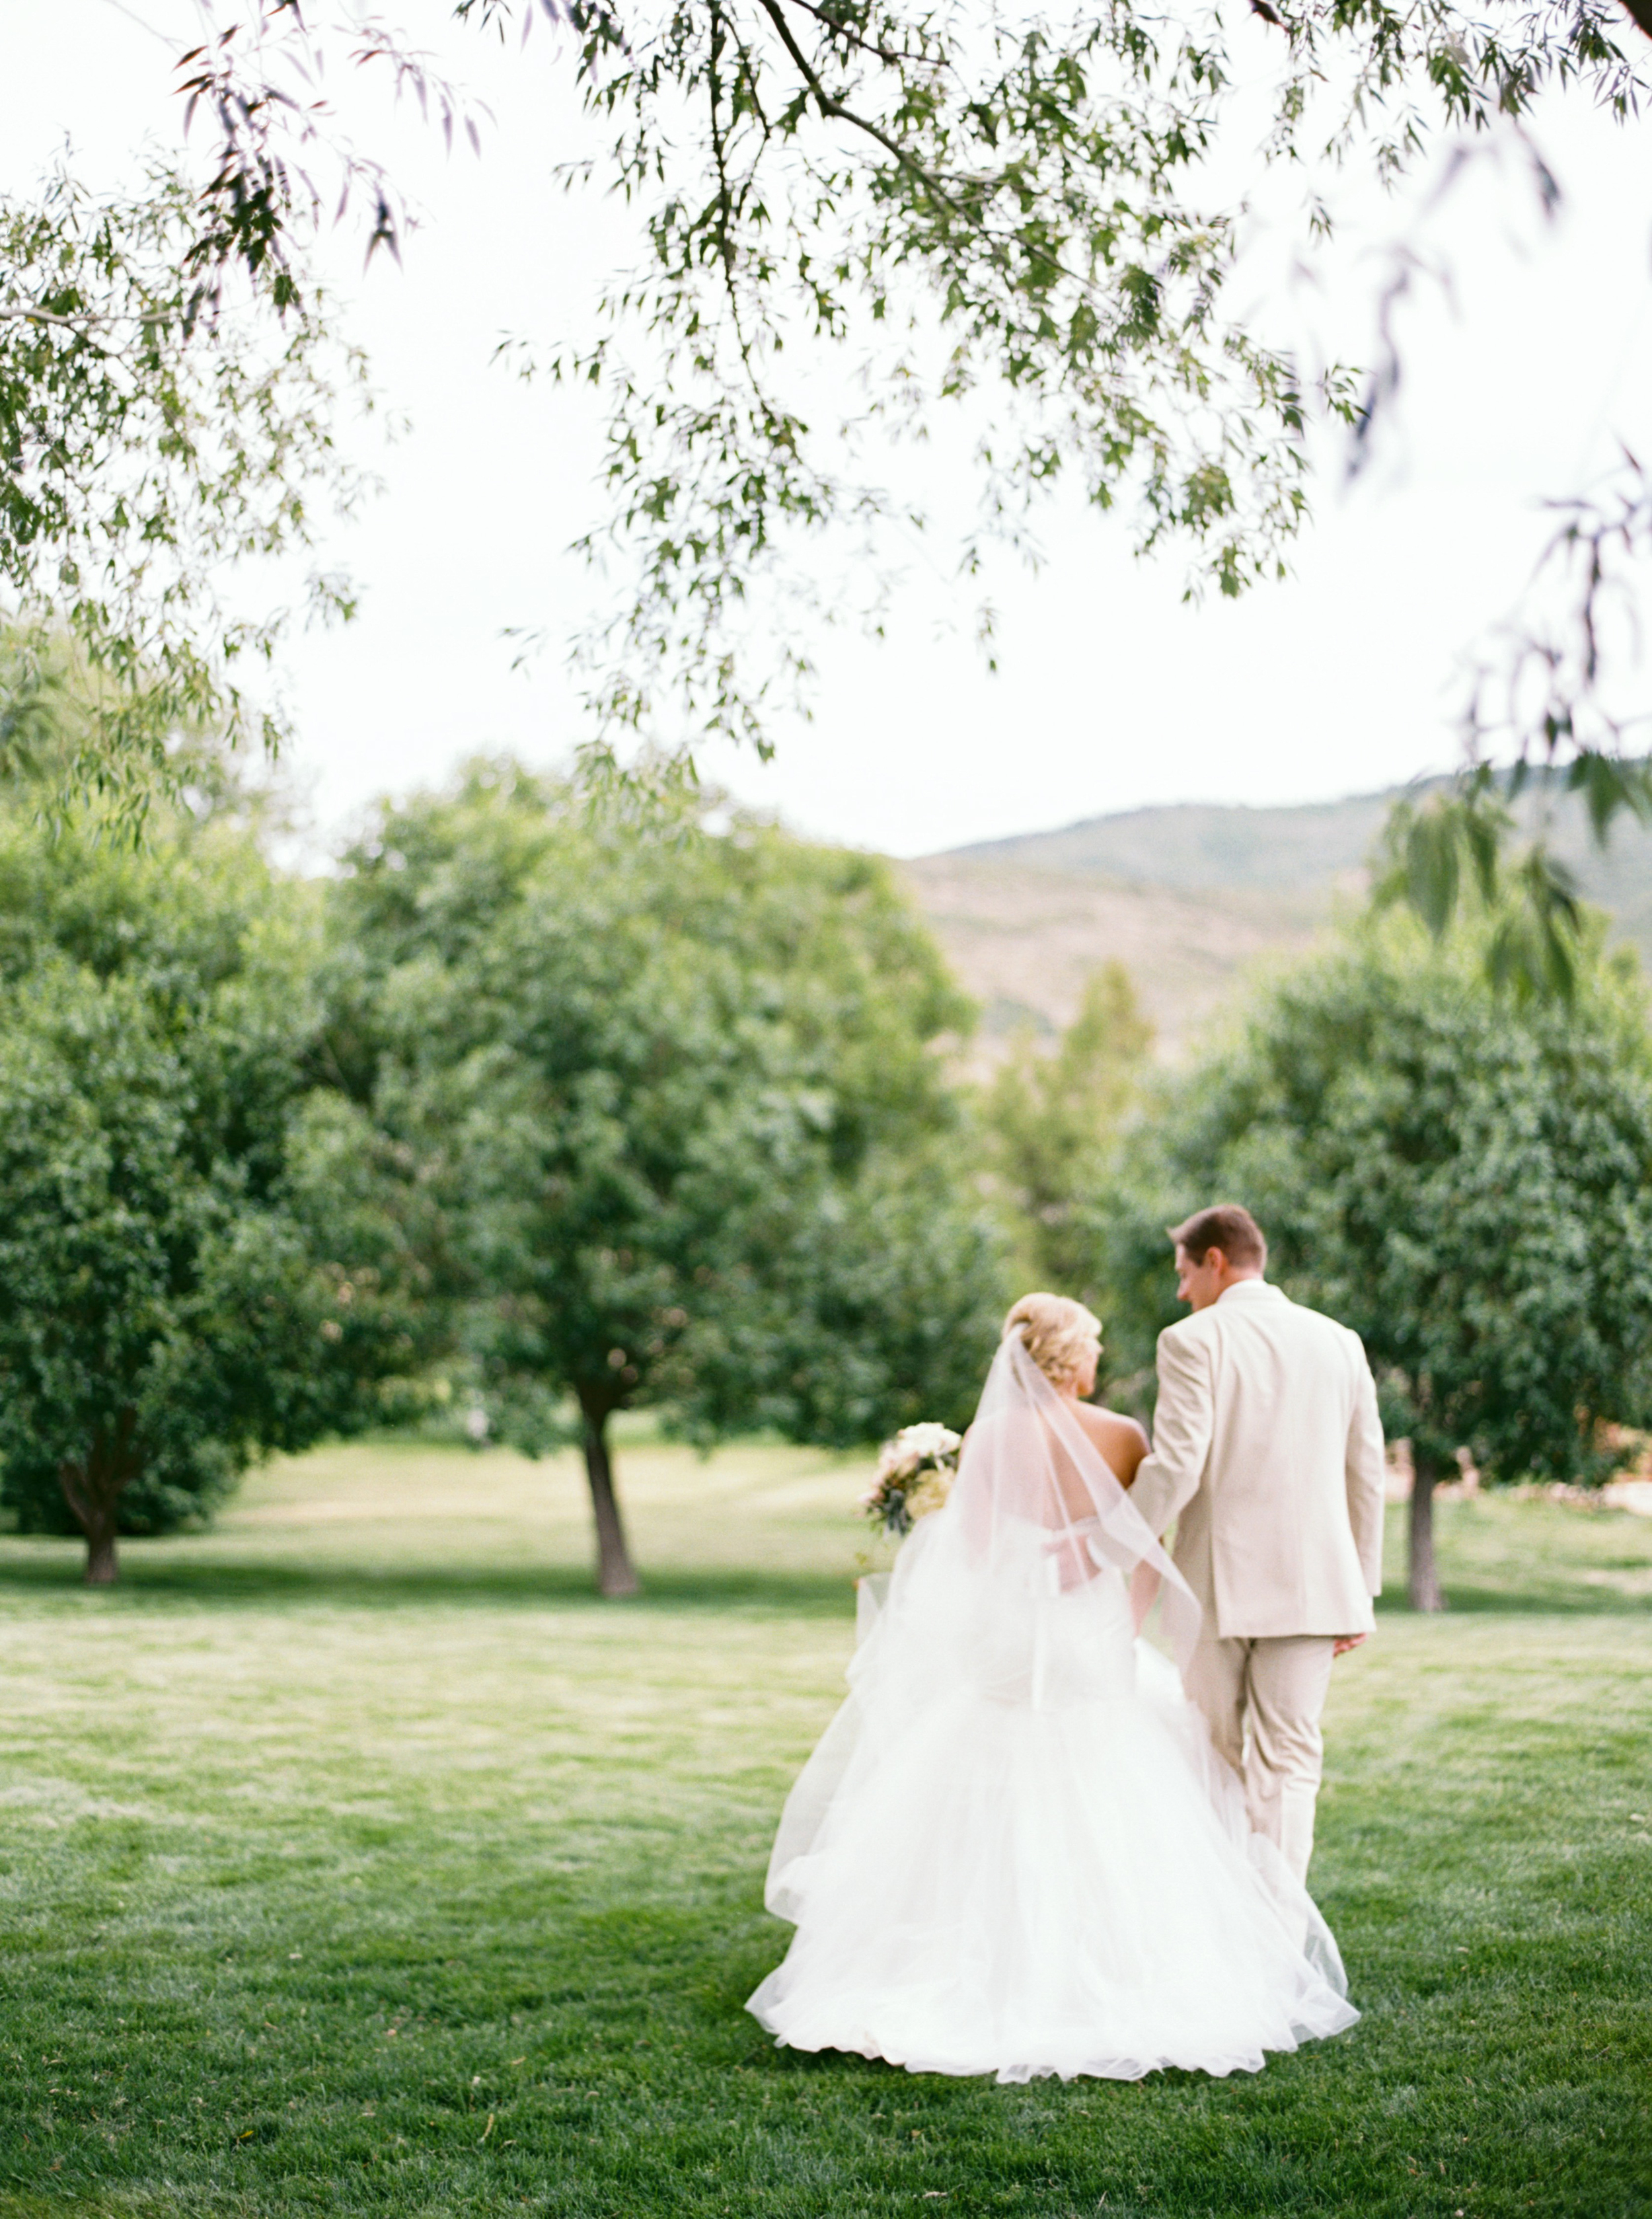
<point>1056,1332</point>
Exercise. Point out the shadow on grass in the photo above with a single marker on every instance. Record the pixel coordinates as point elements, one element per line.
<point>230,1584</point>
<point>224,1581</point>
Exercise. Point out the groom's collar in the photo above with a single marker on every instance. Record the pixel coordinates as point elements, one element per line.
<point>1251,1290</point>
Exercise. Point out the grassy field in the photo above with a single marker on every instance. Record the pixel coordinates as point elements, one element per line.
<point>353,1859</point>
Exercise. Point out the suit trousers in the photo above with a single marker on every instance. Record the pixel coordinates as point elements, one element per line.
<point>1262,1698</point>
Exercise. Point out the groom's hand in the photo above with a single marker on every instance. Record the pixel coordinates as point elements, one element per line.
<point>1344,1642</point>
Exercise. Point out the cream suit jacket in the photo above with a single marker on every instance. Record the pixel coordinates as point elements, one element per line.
<point>1268,1452</point>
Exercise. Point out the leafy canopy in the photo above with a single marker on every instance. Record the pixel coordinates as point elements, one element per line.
<point>163,418</point>
<point>677,1094</point>
<point>859,219</point>
<point>1055,1118</point>
<point>1033,212</point>
<point>187,1276</point>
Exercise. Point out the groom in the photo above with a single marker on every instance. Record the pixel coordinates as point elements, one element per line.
<point>1268,1452</point>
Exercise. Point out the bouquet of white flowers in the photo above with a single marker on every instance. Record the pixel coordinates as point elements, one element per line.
<point>916,1471</point>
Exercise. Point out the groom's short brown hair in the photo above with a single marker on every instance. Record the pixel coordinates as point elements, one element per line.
<point>1228,1226</point>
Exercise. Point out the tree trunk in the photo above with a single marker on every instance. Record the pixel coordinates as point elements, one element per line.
<point>102,1560</point>
<point>92,1488</point>
<point>1425,1580</point>
<point>614,1574</point>
<point>1642,12</point>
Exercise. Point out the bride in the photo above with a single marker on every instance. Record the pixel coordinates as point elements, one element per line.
<point>1014,1850</point>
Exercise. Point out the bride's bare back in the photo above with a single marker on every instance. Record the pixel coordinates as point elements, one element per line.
<point>1122,1445</point>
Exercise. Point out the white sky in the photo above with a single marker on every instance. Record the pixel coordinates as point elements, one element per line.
<point>1110,693</point>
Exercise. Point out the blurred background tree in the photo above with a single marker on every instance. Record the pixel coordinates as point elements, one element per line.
<point>677,1094</point>
<point>188,1277</point>
<point>1055,1118</point>
<point>1459,1175</point>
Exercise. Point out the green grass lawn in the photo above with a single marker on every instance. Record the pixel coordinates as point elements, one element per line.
<point>354,1859</point>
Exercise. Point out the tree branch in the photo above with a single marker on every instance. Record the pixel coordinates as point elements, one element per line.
<point>893,56</point>
<point>831,106</point>
<point>725,208</point>
<point>78,324</point>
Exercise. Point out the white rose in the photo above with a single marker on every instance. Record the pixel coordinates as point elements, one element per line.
<point>925,1441</point>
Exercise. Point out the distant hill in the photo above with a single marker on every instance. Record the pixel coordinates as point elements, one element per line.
<point>1199,846</point>
<point>1191,899</point>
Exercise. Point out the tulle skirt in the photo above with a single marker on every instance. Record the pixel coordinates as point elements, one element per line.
<point>1021,1881</point>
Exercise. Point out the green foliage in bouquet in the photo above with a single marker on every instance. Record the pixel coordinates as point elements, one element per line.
<point>916,1471</point>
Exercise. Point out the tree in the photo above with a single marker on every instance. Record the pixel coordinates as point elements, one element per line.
<point>1055,1118</point>
<point>186,1277</point>
<point>677,1095</point>
<point>168,394</point>
<point>1021,214</point>
<point>1022,218</point>
<point>1461,1178</point>
<point>858,1305</point>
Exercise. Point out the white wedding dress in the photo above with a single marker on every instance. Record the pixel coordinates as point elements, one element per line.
<point>1014,1850</point>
